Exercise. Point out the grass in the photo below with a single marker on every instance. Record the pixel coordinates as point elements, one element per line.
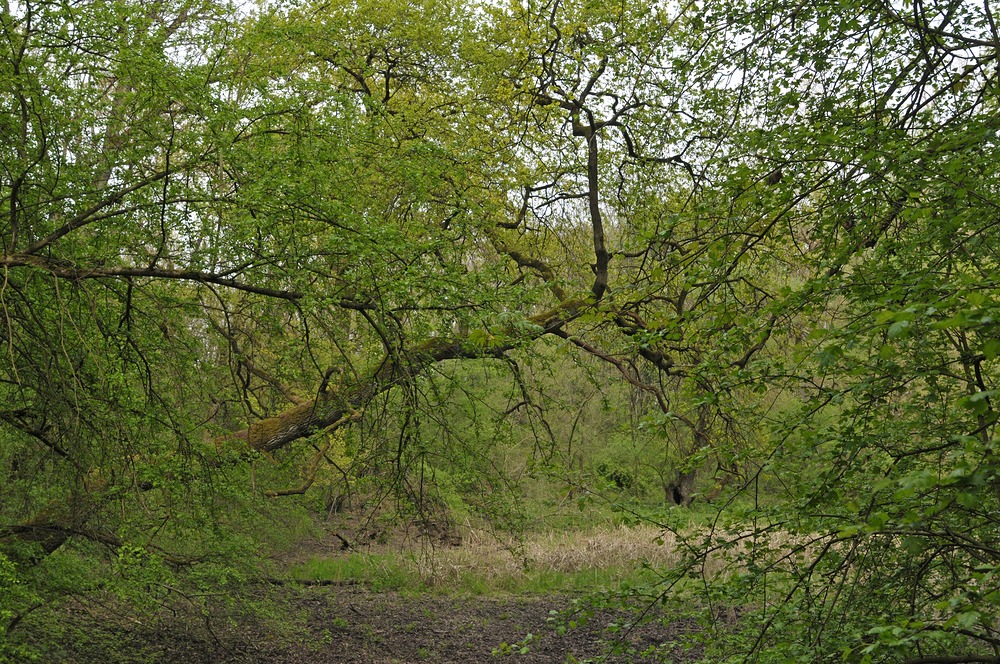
<point>597,558</point>
<point>380,571</point>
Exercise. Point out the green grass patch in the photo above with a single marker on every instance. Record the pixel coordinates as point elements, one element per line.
<point>403,573</point>
<point>377,571</point>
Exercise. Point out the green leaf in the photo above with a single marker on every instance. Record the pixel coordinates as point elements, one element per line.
<point>900,328</point>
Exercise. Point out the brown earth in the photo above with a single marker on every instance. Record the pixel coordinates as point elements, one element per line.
<point>352,624</point>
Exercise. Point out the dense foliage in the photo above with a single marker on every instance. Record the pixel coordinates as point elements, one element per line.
<point>253,254</point>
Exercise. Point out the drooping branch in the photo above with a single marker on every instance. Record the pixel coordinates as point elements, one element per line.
<point>313,469</point>
<point>624,370</point>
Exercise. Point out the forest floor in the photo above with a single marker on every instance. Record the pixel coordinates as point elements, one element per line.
<point>363,619</point>
<point>332,624</point>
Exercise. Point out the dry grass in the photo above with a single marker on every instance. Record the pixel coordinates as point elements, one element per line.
<point>581,560</point>
<point>612,550</point>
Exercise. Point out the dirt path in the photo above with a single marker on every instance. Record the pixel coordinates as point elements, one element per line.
<point>352,624</point>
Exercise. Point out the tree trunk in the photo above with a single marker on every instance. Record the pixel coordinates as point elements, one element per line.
<point>681,490</point>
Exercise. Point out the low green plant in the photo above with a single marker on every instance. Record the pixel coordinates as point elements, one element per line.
<point>13,594</point>
<point>379,571</point>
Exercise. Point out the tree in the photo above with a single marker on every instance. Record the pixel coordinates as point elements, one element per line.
<point>621,166</point>
<point>217,253</point>
<point>879,118</point>
<point>228,236</point>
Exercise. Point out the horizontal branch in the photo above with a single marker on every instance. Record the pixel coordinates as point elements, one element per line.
<point>65,270</point>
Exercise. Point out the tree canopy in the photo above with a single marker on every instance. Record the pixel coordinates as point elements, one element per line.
<point>237,242</point>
